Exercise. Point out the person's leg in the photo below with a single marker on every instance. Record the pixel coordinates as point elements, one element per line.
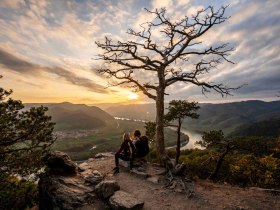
<point>116,169</point>
<point>117,160</point>
<point>122,157</point>
<point>125,158</point>
<point>131,164</point>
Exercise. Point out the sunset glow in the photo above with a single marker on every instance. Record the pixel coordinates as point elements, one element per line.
<point>132,96</point>
<point>48,50</point>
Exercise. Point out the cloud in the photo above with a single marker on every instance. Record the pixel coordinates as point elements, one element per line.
<point>11,62</point>
<point>56,40</point>
<point>13,4</point>
<point>21,66</point>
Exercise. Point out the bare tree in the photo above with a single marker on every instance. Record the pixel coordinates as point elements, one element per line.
<point>181,58</point>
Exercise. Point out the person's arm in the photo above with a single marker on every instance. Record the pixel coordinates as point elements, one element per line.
<point>135,140</point>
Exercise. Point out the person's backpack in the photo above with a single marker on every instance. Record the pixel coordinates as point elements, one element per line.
<point>132,150</point>
<point>142,146</point>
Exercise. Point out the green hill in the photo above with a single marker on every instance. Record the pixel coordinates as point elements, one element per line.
<point>269,128</point>
<point>227,116</point>
<point>76,116</point>
<point>230,116</point>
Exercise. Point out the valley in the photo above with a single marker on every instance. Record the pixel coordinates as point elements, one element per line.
<point>83,131</point>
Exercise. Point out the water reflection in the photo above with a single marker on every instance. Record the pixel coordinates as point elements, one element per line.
<point>193,137</point>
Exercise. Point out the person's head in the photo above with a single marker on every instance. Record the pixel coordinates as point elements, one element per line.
<point>137,133</point>
<point>126,136</point>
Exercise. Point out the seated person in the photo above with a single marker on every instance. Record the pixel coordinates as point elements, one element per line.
<point>142,147</point>
<point>126,152</point>
<point>136,136</point>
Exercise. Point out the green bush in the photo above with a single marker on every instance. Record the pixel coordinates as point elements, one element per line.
<point>17,194</point>
<point>171,152</point>
<point>249,170</point>
<point>153,156</point>
<point>198,163</point>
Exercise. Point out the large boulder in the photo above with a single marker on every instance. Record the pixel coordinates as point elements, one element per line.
<point>60,192</point>
<point>69,192</point>
<point>107,188</point>
<point>59,163</point>
<point>124,201</point>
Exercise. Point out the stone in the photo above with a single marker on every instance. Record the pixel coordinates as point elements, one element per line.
<point>94,178</point>
<point>124,164</point>
<point>106,188</point>
<point>59,163</point>
<point>123,201</point>
<point>139,174</point>
<point>83,166</point>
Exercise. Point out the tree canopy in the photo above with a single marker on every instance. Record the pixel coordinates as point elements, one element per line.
<point>25,135</point>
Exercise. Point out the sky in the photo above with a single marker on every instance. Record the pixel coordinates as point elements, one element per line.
<point>48,51</point>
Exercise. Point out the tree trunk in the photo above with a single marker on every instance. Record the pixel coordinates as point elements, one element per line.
<point>213,175</point>
<point>160,126</point>
<point>178,142</point>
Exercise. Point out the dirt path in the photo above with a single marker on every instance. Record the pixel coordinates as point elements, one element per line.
<point>208,195</point>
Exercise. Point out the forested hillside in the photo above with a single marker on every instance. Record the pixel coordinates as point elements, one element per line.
<point>76,116</point>
<point>269,128</point>
<point>227,116</point>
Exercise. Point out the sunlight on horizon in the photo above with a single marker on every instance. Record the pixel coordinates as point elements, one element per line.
<point>132,96</point>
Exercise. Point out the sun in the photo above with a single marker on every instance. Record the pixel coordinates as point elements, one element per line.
<point>132,96</point>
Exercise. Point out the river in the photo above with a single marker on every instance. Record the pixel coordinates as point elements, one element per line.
<point>193,137</point>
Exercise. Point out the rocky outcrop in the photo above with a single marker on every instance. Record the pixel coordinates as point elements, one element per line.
<point>124,201</point>
<point>67,185</point>
<point>64,193</point>
<point>59,163</point>
<point>62,187</point>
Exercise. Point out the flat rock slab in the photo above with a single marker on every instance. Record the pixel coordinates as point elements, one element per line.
<point>123,201</point>
<point>139,174</point>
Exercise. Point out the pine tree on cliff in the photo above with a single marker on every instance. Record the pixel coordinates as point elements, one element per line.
<point>178,110</point>
<point>25,136</point>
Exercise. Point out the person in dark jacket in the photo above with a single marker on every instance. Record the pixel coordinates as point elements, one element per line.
<point>136,136</point>
<point>126,152</point>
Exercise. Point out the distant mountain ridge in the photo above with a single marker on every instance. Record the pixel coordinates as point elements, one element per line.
<point>226,116</point>
<point>230,116</point>
<point>70,116</point>
<point>269,128</point>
